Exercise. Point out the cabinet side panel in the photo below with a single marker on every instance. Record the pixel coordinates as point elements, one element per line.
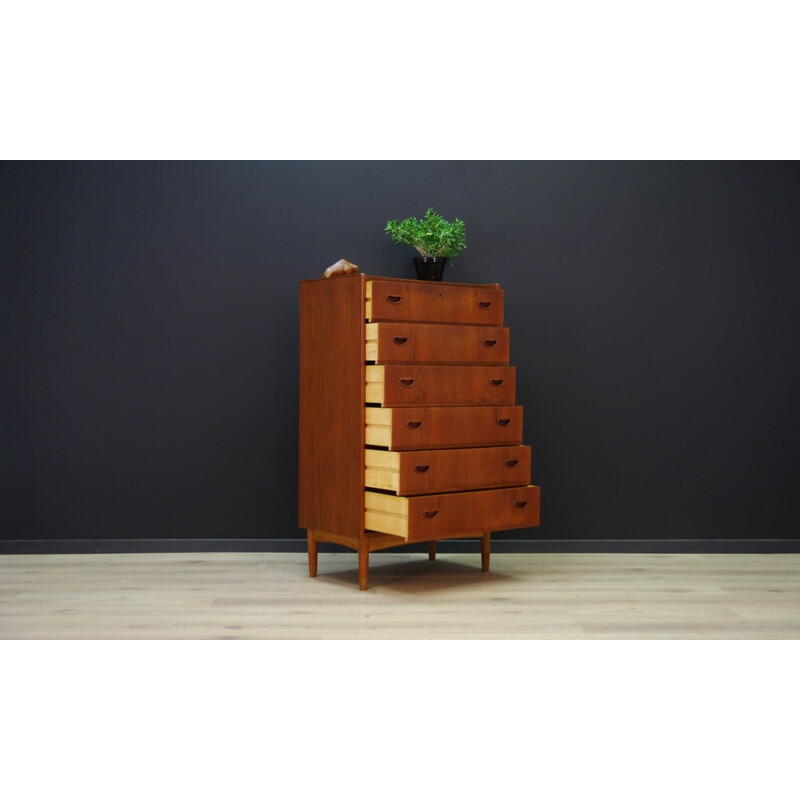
<point>331,415</point>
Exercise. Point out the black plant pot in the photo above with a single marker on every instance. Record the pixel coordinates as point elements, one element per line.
<point>428,268</point>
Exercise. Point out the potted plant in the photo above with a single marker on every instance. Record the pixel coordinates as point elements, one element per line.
<point>434,238</point>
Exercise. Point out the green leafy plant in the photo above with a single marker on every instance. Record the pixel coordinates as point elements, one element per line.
<point>430,236</point>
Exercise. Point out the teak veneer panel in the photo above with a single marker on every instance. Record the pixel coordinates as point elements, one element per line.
<point>331,415</point>
<point>433,516</point>
<point>430,301</point>
<point>433,471</point>
<point>417,343</point>
<point>436,427</point>
<point>421,385</point>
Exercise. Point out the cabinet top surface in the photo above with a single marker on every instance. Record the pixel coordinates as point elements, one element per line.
<point>389,278</point>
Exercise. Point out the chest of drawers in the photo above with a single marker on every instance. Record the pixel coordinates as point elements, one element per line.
<point>408,428</point>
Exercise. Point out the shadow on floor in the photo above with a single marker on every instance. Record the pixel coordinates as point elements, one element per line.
<point>414,574</point>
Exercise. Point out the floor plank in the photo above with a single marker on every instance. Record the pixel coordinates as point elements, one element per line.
<point>524,596</point>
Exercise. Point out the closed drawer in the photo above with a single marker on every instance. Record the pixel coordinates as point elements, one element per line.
<point>418,343</point>
<point>415,385</point>
<point>439,427</point>
<point>432,301</point>
<point>433,471</point>
<point>437,515</point>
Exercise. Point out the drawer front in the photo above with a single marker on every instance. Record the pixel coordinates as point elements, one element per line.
<point>436,515</point>
<point>439,427</point>
<point>417,343</point>
<point>433,301</point>
<point>433,471</point>
<point>414,385</point>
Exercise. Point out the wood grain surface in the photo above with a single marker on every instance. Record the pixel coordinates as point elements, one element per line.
<point>432,427</point>
<point>331,405</point>
<point>524,596</point>
<point>417,343</point>
<point>459,470</point>
<point>423,517</point>
<point>428,301</point>
<point>433,385</point>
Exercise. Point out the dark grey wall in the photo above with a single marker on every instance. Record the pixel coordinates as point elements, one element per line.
<point>149,337</point>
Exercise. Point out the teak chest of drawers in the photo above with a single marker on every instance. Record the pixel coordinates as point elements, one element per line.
<point>408,427</point>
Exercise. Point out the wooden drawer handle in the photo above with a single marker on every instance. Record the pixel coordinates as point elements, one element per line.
<point>422,468</point>
<point>406,382</point>
<point>521,503</point>
<point>496,381</point>
<point>430,514</point>
<point>484,303</point>
<point>512,462</point>
<point>400,340</point>
<point>394,299</point>
<point>503,422</point>
<point>489,342</point>
<point>413,424</point>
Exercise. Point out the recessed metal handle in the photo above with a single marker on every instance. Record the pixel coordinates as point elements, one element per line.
<point>406,381</point>
<point>496,381</point>
<point>430,514</point>
<point>422,468</point>
<point>512,462</point>
<point>394,299</point>
<point>521,503</point>
<point>484,303</point>
<point>489,342</point>
<point>413,424</point>
<point>503,422</point>
<point>401,340</point>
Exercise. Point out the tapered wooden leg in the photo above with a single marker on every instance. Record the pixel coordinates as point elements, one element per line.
<point>486,544</point>
<point>363,563</point>
<point>312,555</point>
<point>432,550</point>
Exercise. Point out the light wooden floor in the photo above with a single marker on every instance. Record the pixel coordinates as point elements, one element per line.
<point>270,596</point>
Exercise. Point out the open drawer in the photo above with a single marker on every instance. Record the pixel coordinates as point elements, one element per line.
<point>416,343</point>
<point>434,301</point>
<point>434,471</point>
<point>425,385</point>
<point>439,427</point>
<point>431,516</point>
